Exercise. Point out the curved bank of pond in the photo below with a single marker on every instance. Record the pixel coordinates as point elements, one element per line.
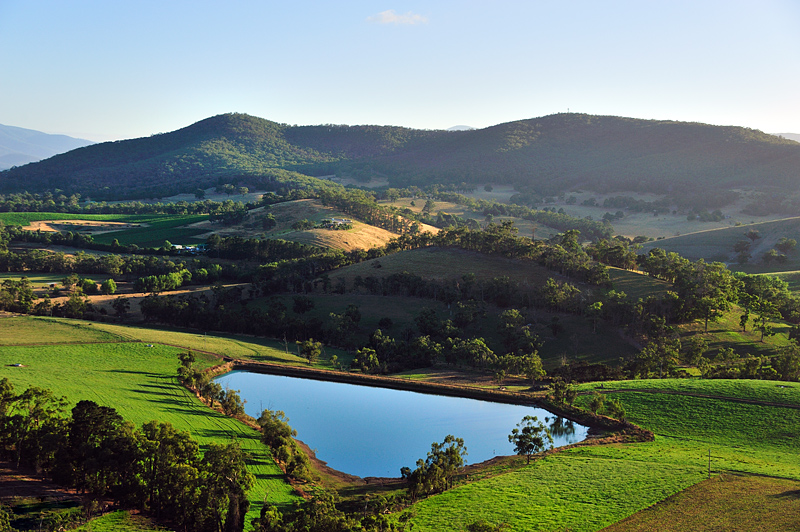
<point>371,431</point>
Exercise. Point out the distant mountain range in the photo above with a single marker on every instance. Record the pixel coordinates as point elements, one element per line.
<point>20,146</point>
<point>791,136</point>
<point>695,163</point>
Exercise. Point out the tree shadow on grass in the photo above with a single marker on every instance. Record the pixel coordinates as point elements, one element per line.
<point>790,494</point>
<point>131,372</point>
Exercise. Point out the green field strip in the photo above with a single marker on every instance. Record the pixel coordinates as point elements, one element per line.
<point>140,382</point>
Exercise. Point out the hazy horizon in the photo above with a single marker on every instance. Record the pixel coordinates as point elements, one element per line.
<point>107,71</point>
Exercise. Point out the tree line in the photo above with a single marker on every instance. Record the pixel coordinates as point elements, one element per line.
<point>153,468</point>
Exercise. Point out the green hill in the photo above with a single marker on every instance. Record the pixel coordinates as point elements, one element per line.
<point>692,162</point>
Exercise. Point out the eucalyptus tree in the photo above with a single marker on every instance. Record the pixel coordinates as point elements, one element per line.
<point>530,437</point>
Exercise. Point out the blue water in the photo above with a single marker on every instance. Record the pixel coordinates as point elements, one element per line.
<point>373,432</point>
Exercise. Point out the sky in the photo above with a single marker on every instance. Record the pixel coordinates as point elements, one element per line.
<point>110,70</point>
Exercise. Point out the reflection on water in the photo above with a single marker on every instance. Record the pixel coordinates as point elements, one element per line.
<point>368,431</point>
<point>560,427</point>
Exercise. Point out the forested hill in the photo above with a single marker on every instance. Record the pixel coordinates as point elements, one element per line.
<point>544,155</point>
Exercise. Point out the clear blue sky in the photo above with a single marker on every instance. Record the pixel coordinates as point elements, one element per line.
<point>114,69</point>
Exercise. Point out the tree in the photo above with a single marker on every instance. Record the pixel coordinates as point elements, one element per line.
<point>366,360</point>
<point>121,305</point>
<point>275,429</point>
<point>310,350</point>
<point>562,392</point>
<point>532,367</point>
<point>231,403</point>
<point>767,311</point>
<point>227,480</point>
<point>530,437</point>
<point>597,403</point>
<point>706,290</point>
<point>302,304</point>
<point>661,354</point>
<point>615,409</point>
<point>108,287</point>
<point>785,245</point>
<point>595,312</point>
<point>435,474</point>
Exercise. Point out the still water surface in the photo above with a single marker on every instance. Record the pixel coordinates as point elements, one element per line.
<point>373,432</point>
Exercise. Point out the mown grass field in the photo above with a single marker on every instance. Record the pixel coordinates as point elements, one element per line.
<point>136,378</point>
<point>587,488</point>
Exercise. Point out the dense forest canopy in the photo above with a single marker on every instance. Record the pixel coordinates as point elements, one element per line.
<point>545,155</point>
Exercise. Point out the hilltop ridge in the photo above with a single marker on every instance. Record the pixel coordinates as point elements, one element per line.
<point>546,155</point>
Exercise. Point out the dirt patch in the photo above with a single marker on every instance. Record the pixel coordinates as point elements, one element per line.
<point>22,484</point>
<point>80,226</point>
<point>134,298</point>
<point>361,236</point>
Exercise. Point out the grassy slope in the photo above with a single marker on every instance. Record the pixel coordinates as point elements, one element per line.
<point>592,487</point>
<point>361,236</point>
<point>749,503</point>
<point>717,245</point>
<point>636,285</point>
<point>441,263</point>
<point>137,380</point>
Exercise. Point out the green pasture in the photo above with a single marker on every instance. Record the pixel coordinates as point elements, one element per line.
<point>577,490</point>
<point>787,393</point>
<point>588,488</point>
<point>136,378</point>
<point>23,330</point>
<point>226,345</point>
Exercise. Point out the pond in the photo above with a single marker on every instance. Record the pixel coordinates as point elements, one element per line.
<point>373,432</point>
